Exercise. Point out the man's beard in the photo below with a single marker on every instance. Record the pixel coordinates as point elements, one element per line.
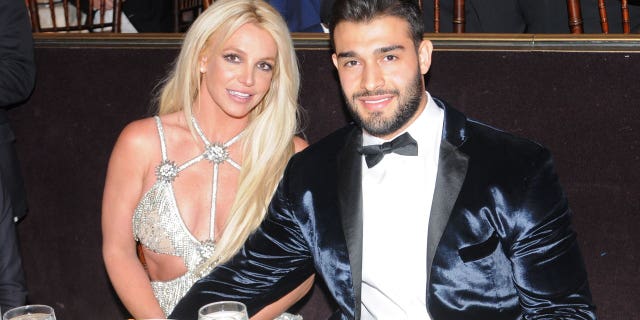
<point>408,105</point>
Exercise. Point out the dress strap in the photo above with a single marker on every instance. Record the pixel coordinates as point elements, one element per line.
<point>163,145</point>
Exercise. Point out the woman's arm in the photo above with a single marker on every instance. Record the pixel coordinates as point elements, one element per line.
<point>122,191</point>
<point>299,144</point>
<point>275,309</point>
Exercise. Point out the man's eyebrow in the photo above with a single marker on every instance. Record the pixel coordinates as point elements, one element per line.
<point>389,48</point>
<point>351,54</point>
<point>347,54</point>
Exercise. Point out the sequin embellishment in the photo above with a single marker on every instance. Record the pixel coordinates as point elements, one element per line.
<point>216,153</point>
<point>167,171</point>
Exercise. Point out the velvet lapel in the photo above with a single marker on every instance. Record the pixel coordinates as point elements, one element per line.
<point>350,205</point>
<point>452,168</point>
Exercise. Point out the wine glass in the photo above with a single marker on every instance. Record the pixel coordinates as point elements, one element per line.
<point>223,310</point>
<point>30,312</point>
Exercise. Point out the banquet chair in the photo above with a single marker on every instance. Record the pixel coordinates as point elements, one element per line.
<point>573,9</point>
<point>186,11</point>
<point>458,16</point>
<point>575,16</point>
<point>67,16</point>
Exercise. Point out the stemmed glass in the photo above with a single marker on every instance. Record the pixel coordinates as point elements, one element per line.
<point>30,312</point>
<point>223,310</point>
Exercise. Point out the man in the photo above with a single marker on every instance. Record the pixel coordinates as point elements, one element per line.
<point>475,226</point>
<point>17,78</point>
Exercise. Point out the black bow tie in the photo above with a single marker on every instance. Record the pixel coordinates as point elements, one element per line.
<point>403,144</point>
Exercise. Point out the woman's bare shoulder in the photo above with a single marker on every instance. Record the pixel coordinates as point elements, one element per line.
<point>299,144</point>
<point>138,134</point>
<point>144,132</point>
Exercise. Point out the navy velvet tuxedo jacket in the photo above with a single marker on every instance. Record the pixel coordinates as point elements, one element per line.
<point>500,243</point>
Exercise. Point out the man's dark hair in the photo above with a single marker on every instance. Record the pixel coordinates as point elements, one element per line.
<point>366,10</point>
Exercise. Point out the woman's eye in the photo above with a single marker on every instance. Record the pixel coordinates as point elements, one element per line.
<point>265,66</point>
<point>232,57</point>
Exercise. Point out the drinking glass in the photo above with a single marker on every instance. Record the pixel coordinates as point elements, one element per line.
<point>30,312</point>
<point>223,310</point>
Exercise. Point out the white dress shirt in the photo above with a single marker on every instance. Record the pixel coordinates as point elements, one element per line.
<point>397,195</point>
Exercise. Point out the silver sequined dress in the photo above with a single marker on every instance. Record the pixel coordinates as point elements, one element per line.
<point>158,226</point>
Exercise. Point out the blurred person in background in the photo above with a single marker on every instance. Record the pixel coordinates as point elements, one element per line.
<point>17,78</point>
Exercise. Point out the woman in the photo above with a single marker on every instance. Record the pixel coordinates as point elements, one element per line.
<point>191,184</point>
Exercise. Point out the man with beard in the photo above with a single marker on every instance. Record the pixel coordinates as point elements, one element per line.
<point>416,212</point>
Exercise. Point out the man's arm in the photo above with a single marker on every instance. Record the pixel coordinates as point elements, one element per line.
<point>273,261</point>
<point>548,269</point>
<point>13,291</point>
<point>17,68</point>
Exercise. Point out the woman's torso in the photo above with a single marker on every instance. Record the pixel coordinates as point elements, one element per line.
<point>172,219</point>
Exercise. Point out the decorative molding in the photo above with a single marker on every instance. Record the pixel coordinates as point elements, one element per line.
<point>320,41</point>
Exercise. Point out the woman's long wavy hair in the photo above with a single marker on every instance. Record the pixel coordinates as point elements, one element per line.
<point>267,143</point>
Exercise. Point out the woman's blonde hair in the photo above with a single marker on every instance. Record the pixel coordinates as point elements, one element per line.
<point>268,139</point>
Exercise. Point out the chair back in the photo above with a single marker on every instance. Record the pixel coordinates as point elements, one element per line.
<point>186,12</point>
<point>74,15</point>
<point>575,16</point>
<point>458,16</point>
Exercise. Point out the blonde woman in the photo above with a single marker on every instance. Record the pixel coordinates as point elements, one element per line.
<point>192,183</point>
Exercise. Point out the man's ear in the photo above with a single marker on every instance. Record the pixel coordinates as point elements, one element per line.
<point>424,55</point>
<point>334,57</point>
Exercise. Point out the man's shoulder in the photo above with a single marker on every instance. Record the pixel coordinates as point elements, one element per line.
<point>485,144</point>
<point>329,145</point>
<point>488,138</point>
<point>476,136</point>
<point>320,159</point>
<point>318,164</point>
<point>502,154</point>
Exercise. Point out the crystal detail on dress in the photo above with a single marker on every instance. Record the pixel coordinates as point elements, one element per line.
<point>167,171</point>
<point>206,249</point>
<point>289,316</point>
<point>216,153</point>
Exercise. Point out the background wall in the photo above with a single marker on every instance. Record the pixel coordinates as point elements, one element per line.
<point>581,103</point>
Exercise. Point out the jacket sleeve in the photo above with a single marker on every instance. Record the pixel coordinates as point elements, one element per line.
<point>273,261</point>
<point>548,269</point>
<point>13,291</point>
<point>17,67</point>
